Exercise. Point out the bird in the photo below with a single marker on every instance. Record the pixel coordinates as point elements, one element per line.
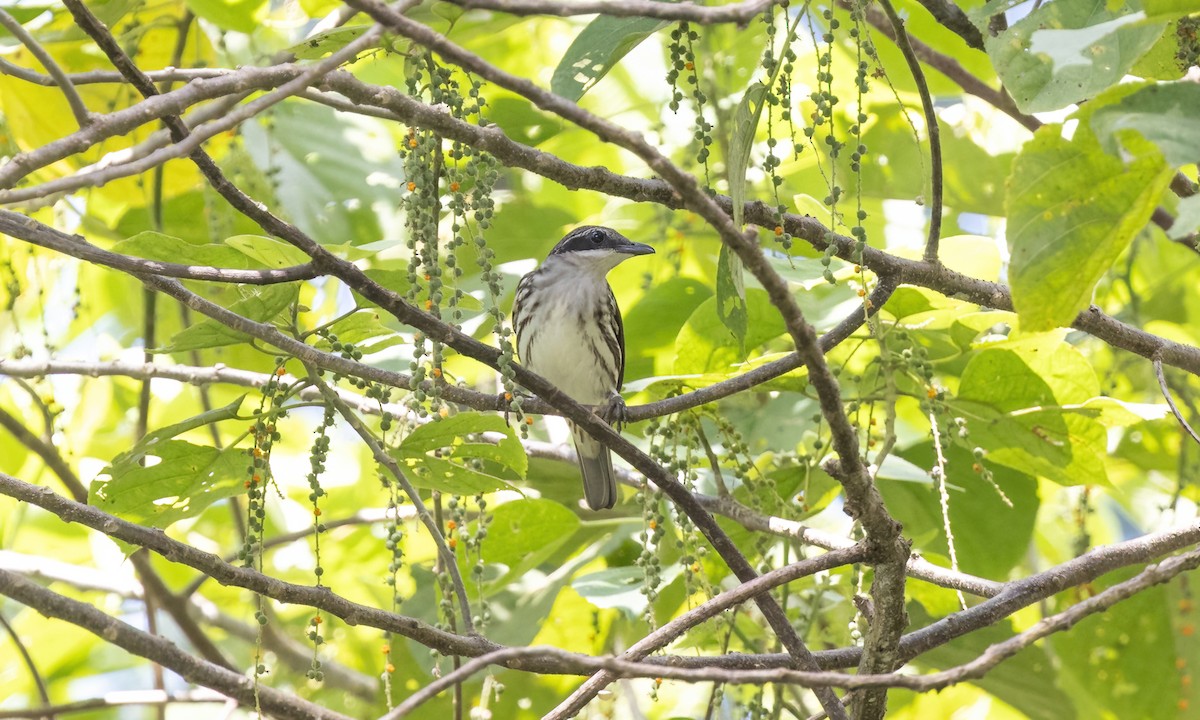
<point>569,331</point>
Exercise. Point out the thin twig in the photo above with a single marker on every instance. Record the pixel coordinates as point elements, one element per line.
<point>46,711</point>
<point>74,101</point>
<point>119,698</point>
<point>739,12</point>
<point>935,135</point>
<point>1166,392</point>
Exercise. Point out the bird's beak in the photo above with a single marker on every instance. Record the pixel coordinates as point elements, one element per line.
<point>636,249</point>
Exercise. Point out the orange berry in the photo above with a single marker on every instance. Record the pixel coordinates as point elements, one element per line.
<point>862,292</point>
<point>507,397</point>
<point>454,186</point>
<point>428,304</point>
<point>247,484</point>
<point>255,478</point>
<point>689,66</point>
<point>391,668</point>
<point>412,142</point>
<point>658,681</point>
<point>453,543</point>
<point>528,421</point>
<point>1187,630</point>
<point>317,620</point>
<point>412,186</point>
<point>931,393</point>
<point>1185,680</point>
<point>1182,704</point>
<point>977,467</point>
<point>385,649</point>
<point>695,567</point>
<point>1180,663</point>
<point>778,230</point>
<point>653,524</point>
<point>437,372</point>
<point>451,525</point>
<point>280,371</point>
<point>257,452</point>
<point>443,413</point>
<point>316,512</point>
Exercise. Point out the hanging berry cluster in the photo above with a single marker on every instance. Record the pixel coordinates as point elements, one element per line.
<point>683,65</point>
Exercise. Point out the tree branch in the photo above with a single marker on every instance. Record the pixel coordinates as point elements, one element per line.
<point>35,233</point>
<point>117,699</point>
<point>142,644</point>
<point>1166,392</point>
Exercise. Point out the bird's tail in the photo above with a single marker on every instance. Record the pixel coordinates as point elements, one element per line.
<point>595,462</point>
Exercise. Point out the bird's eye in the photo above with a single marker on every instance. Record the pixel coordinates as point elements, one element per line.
<point>596,236</point>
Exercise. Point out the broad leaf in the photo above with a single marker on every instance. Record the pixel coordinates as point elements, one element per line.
<point>166,248</point>
<point>1165,114</point>
<point>596,50</point>
<point>178,480</point>
<point>1017,397</point>
<point>1070,50</point>
<point>240,15</point>
<point>271,253</point>
<point>731,295</point>
<point>705,344</point>
<point>441,457</point>
<point>328,41</point>
<point>261,305</point>
<point>1072,210</point>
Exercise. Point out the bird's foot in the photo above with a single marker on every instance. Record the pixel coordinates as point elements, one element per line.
<point>614,412</point>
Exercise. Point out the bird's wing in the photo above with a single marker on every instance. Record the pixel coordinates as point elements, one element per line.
<point>616,330</point>
<point>523,289</point>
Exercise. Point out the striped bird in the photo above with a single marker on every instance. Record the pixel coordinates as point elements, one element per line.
<point>569,331</point>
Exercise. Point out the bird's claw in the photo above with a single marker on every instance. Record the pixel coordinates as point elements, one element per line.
<point>615,412</point>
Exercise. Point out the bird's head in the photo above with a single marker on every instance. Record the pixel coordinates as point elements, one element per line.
<point>596,248</point>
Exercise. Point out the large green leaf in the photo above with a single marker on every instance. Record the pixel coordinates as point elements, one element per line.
<point>1165,114</point>
<point>1072,210</point>
<point>240,15</point>
<point>991,538</point>
<point>338,172</point>
<point>1024,402</point>
<point>596,50</point>
<point>271,253</point>
<point>178,480</point>
<point>166,248</point>
<point>260,305</point>
<point>1121,663</point>
<point>1070,50</point>
<point>441,457</point>
<point>705,343</point>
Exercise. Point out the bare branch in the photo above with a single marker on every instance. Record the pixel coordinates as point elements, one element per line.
<point>1166,391</point>
<point>38,681</point>
<point>31,231</point>
<point>163,652</point>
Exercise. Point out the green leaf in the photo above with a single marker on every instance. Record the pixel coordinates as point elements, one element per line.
<point>705,344</point>
<point>523,533</point>
<point>596,50</point>
<point>990,537</point>
<point>731,295</point>
<point>745,124</point>
<point>260,305</point>
<point>365,331</point>
<point>1072,210</point>
<point>270,252</point>
<point>179,480</point>
<point>166,248</point>
<point>228,412</point>
<point>1070,50</point>
<point>441,458</point>
<point>240,15</point>
<point>328,41</point>
<point>1164,9</point>
<point>1164,114</point>
<point>1017,397</point>
<point>621,587</point>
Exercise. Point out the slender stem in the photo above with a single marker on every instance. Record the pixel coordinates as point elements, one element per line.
<point>74,101</point>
